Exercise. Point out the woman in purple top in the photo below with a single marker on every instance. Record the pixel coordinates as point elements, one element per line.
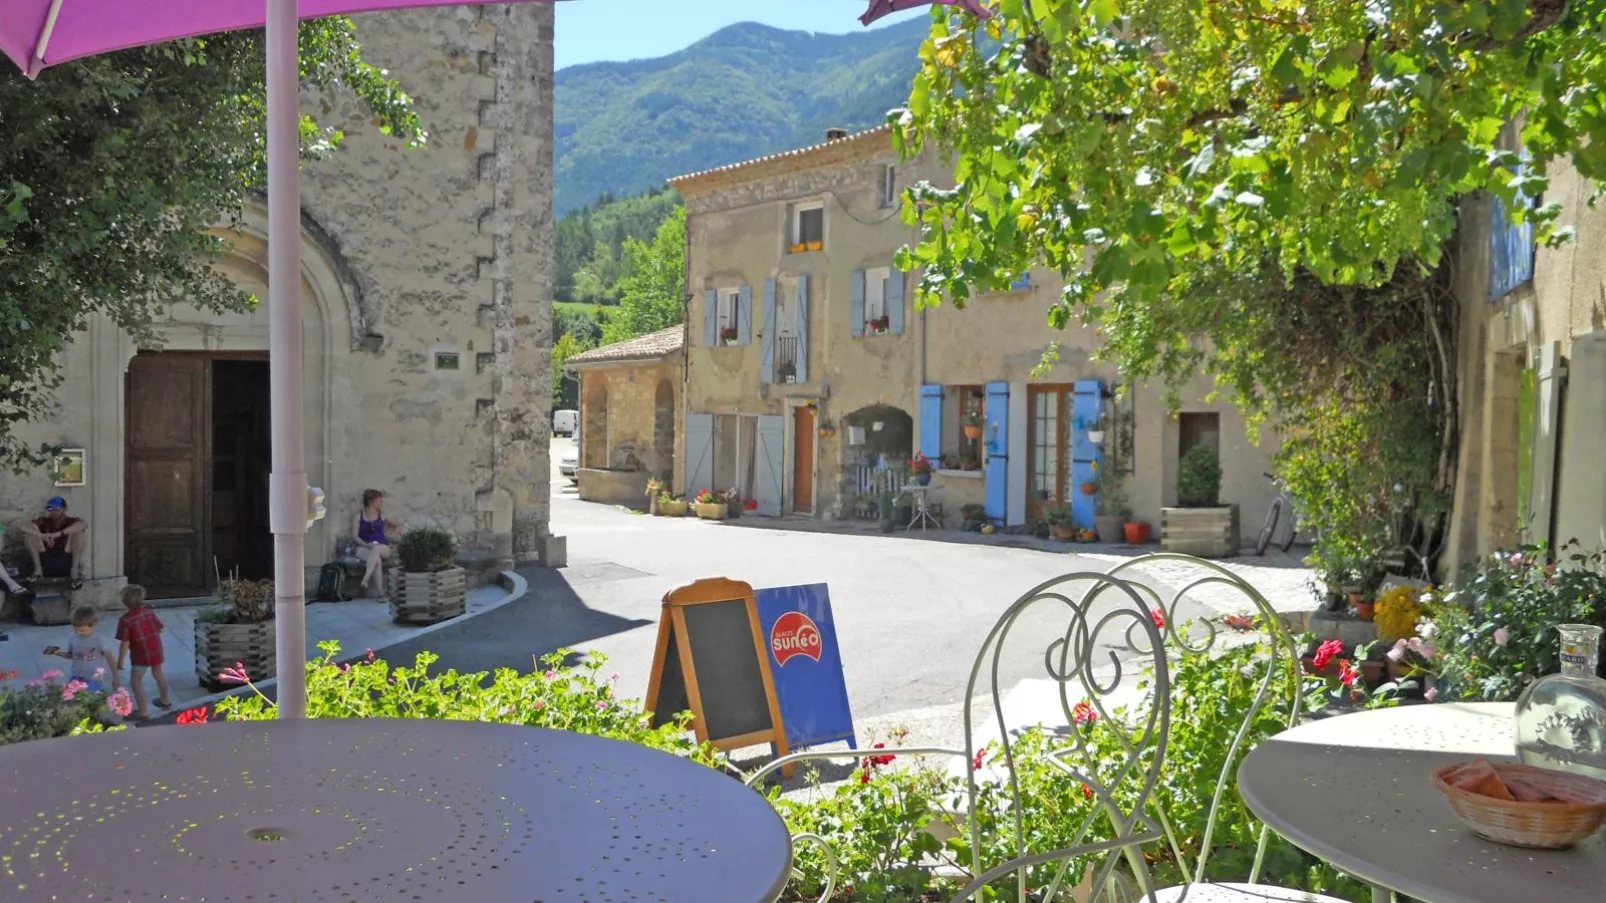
<point>373,547</point>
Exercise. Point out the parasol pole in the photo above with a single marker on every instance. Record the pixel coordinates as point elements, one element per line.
<point>287,484</point>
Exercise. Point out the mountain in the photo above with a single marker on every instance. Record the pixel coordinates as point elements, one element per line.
<point>742,92</point>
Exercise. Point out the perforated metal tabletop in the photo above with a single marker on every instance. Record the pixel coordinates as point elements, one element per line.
<point>374,810</point>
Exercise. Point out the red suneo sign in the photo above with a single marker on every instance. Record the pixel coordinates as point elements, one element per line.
<point>794,634</point>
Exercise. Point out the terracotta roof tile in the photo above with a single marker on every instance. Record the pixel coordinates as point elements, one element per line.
<point>679,181</point>
<point>651,346</point>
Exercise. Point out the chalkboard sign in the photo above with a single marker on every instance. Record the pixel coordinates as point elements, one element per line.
<point>711,659</point>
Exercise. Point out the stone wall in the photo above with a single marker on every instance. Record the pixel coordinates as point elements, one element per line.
<point>630,417</point>
<point>406,254</point>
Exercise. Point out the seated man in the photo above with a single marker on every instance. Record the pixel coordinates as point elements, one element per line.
<point>56,542</point>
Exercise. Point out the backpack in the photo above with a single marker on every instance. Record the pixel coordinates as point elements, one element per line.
<point>332,584</point>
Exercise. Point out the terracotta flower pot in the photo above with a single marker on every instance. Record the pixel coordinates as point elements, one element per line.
<point>1137,533</point>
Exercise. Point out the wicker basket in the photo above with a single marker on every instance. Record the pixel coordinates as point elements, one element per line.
<point>1540,826</point>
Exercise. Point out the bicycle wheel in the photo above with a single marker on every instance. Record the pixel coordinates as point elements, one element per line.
<point>1271,525</point>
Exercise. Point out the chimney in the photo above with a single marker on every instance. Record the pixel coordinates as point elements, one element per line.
<point>835,134</point>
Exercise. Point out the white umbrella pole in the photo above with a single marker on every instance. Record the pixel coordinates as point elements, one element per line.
<point>287,487</point>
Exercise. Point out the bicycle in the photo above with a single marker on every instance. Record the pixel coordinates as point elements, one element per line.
<point>1284,500</point>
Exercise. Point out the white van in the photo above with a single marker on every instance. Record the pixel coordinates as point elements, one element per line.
<point>564,422</point>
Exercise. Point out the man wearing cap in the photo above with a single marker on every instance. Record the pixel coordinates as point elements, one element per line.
<point>56,542</point>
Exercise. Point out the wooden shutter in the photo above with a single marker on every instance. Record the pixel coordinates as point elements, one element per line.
<point>856,303</point>
<point>766,368</point>
<point>894,302</point>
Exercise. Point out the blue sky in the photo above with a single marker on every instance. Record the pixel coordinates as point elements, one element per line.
<point>591,30</point>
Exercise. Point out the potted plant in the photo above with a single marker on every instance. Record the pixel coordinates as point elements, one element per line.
<point>879,325</point>
<point>671,504</point>
<point>728,335</point>
<point>1060,525</point>
<point>710,505</point>
<point>239,631</point>
<point>431,587</point>
<point>920,469</point>
<point>1200,525</point>
<point>972,424</point>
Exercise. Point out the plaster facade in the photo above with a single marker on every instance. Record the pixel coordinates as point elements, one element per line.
<point>1532,385</point>
<point>426,277</point>
<point>744,404</point>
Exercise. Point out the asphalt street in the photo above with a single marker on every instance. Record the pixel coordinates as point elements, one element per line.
<point>911,613</point>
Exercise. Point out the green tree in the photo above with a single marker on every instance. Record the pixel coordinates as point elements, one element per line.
<point>1261,191</point>
<point>652,293</point>
<point>564,389</point>
<point>113,172</point>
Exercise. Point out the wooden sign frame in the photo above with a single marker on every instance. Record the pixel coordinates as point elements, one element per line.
<point>673,620</point>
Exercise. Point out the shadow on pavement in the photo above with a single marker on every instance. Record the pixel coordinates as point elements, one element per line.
<point>548,617</point>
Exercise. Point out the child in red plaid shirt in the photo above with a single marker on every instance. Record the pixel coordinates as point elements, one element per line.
<point>139,635</point>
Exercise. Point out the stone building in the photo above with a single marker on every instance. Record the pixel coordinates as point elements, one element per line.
<point>1532,384</point>
<point>629,406</point>
<point>808,364</point>
<point>425,290</point>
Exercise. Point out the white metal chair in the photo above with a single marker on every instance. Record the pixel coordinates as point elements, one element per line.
<point>1120,789</point>
<point>1202,575</point>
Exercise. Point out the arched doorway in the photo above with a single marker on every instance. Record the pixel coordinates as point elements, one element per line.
<point>888,437</point>
<point>663,431</point>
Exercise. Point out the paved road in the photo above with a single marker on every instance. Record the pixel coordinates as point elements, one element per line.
<point>911,612</point>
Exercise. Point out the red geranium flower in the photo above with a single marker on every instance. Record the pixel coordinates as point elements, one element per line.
<point>1325,653</point>
<point>193,716</point>
<point>1084,713</point>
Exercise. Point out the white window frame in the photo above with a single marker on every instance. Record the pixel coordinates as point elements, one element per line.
<point>875,294</point>
<point>889,185</point>
<point>729,310</point>
<point>785,307</point>
<point>797,220</point>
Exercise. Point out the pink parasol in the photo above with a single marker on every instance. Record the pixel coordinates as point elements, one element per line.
<point>36,34</point>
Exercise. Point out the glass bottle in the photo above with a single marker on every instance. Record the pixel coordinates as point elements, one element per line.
<point>1561,719</point>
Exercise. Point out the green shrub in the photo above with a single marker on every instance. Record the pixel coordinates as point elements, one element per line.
<point>42,709</point>
<point>1497,630</point>
<point>570,698</point>
<point>1199,478</point>
<point>425,550</point>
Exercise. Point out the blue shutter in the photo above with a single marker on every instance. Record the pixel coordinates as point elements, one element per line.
<point>931,422</point>
<point>856,303</point>
<point>895,282</point>
<point>766,368</point>
<point>710,318</point>
<point>771,451</point>
<point>744,316</point>
<point>995,439</point>
<point>699,453</point>
<point>803,329</point>
<point>1087,406</point>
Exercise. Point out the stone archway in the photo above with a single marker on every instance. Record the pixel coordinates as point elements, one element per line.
<point>663,431</point>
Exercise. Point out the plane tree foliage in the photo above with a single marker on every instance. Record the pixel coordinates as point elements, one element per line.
<point>1239,187</point>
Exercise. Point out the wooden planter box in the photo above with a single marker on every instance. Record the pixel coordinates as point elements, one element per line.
<point>427,598</point>
<point>1205,532</point>
<point>711,511</point>
<point>219,646</point>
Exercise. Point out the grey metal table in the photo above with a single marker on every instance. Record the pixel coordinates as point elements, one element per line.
<point>377,810</point>
<point>1355,791</point>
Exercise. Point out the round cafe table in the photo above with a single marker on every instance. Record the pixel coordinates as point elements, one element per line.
<point>378,810</point>
<point>1355,791</point>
